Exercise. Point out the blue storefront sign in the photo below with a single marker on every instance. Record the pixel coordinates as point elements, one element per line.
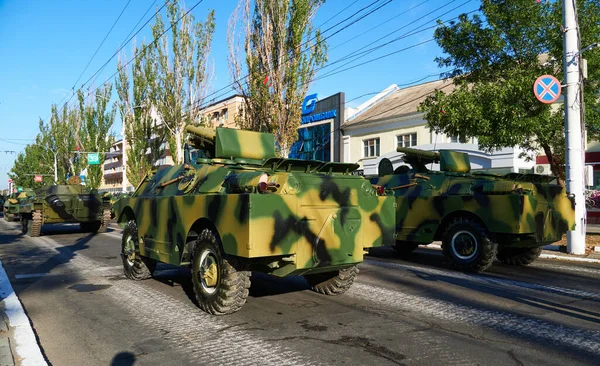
<point>309,105</point>
<point>319,135</point>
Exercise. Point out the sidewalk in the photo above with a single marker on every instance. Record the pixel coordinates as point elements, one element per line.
<point>18,344</point>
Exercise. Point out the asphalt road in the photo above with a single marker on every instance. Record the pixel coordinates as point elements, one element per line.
<point>414,311</point>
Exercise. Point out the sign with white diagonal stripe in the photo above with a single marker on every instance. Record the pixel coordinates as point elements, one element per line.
<point>547,89</point>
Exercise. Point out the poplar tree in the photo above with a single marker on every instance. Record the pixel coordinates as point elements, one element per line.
<point>142,136</point>
<point>181,72</point>
<point>274,53</point>
<point>95,135</point>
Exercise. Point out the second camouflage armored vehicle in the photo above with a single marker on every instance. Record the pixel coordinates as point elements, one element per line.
<point>68,203</point>
<point>234,207</point>
<point>478,216</point>
<point>11,205</point>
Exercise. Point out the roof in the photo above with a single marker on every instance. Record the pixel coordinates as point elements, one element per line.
<point>226,99</point>
<point>400,103</point>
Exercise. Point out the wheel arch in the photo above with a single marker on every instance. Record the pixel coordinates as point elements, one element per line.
<point>454,215</point>
<point>125,216</point>
<point>197,227</point>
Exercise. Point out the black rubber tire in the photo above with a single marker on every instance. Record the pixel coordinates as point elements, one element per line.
<point>484,251</point>
<point>24,223</point>
<point>90,227</point>
<point>518,256</point>
<point>103,225</point>
<point>332,283</point>
<point>231,290</point>
<point>405,247</point>
<point>141,268</point>
<point>34,226</point>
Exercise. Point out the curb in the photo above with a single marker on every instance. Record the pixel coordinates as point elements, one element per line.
<point>28,352</point>
<point>543,255</point>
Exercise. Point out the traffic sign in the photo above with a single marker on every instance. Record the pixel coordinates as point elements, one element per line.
<point>37,179</point>
<point>547,89</point>
<point>9,180</point>
<point>94,159</point>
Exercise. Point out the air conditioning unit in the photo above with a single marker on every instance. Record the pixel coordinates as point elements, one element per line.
<point>589,175</point>
<point>543,169</point>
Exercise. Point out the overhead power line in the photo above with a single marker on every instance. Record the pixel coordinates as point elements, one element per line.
<point>360,53</point>
<point>101,44</point>
<point>378,25</point>
<point>113,55</point>
<point>229,86</point>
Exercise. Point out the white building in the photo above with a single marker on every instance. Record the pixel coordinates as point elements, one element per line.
<point>388,121</point>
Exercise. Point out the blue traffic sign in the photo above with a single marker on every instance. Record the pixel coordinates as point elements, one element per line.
<point>547,89</point>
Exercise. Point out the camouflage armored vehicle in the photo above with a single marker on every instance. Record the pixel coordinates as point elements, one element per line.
<point>234,207</point>
<point>11,205</point>
<point>69,203</point>
<point>478,216</point>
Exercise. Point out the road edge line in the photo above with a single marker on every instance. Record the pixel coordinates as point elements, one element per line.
<point>543,255</point>
<point>27,348</point>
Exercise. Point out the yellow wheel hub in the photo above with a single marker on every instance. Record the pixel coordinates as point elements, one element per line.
<point>210,275</point>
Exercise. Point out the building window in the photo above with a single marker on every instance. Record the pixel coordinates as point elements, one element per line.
<point>457,139</point>
<point>371,147</point>
<point>407,140</point>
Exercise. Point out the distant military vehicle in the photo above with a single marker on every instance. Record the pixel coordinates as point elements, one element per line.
<point>478,216</point>
<point>11,205</point>
<point>234,207</point>
<point>69,203</point>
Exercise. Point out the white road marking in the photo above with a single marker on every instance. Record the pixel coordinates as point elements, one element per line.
<point>487,279</point>
<point>27,349</point>
<point>97,271</point>
<point>564,257</point>
<point>530,328</point>
<point>566,268</point>
<point>204,338</point>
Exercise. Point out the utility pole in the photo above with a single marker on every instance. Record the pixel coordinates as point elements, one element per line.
<point>55,168</point>
<point>124,159</point>
<point>573,133</point>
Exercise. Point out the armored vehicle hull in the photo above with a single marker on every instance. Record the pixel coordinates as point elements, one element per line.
<point>11,208</point>
<point>478,216</point>
<point>58,204</point>
<point>246,210</point>
<point>11,205</point>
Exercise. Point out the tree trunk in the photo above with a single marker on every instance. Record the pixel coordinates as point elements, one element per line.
<point>555,165</point>
<point>178,147</point>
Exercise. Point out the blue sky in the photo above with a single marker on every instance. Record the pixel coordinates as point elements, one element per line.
<point>45,45</point>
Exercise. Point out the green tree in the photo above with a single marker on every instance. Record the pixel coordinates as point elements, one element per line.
<point>276,45</point>
<point>496,58</point>
<point>60,136</point>
<point>31,162</point>
<point>181,72</point>
<point>57,138</point>
<point>143,137</point>
<point>95,135</point>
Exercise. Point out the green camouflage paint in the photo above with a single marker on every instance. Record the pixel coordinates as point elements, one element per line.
<point>312,216</point>
<point>515,210</point>
<point>71,203</point>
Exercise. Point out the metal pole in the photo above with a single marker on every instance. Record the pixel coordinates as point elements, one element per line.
<point>124,160</point>
<point>55,169</point>
<point>573,133</point>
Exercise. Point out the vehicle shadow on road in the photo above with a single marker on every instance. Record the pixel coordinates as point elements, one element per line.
<point>123,359</point>
<point>27,258</point>
<point>261,284</point>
